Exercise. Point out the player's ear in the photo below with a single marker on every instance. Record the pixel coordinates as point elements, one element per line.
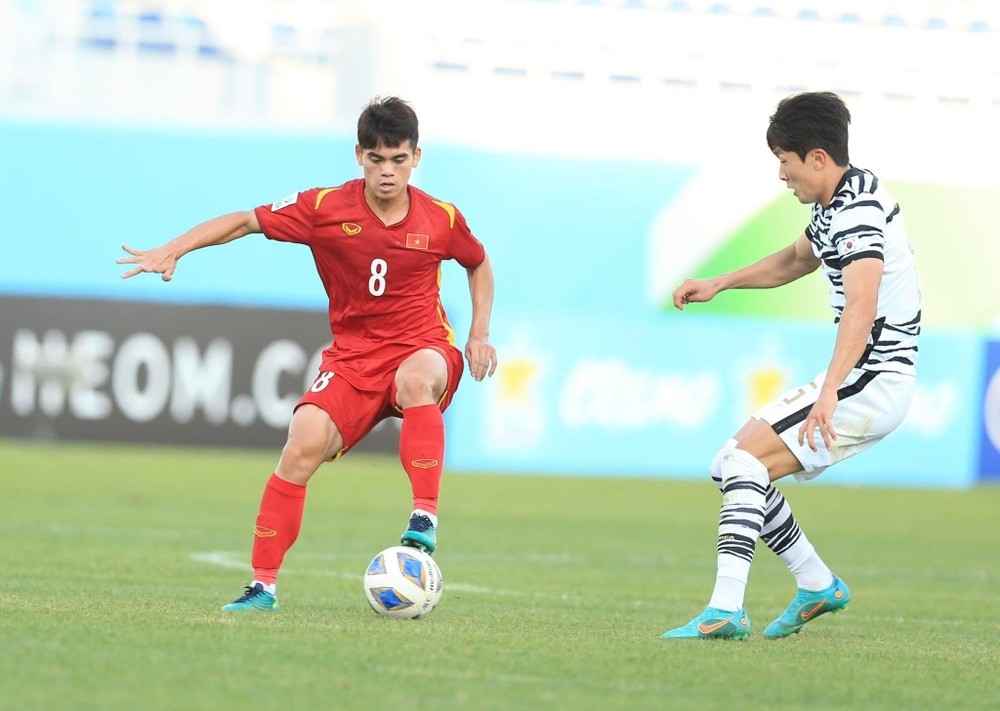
<point>818,158</point>
<point>416,156</point>
<point>357,152</point>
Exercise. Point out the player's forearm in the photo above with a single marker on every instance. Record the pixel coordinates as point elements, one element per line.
<point>218,230</point>
<point>777,269</point>
<point>852,338</point>
<point>481,291</point>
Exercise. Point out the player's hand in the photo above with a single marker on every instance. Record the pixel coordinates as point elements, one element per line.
<point>482,357</point>
<point>695,291</point>
<point>820,418</point>
<point>161,260</point>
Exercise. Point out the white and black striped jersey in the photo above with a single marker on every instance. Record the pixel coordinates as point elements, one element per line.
<point>863,221</point>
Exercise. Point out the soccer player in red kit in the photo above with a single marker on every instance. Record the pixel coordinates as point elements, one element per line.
<point>378,244</point>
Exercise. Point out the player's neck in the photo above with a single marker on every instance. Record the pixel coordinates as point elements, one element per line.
<point>833,182</point>
<point>392,210</point>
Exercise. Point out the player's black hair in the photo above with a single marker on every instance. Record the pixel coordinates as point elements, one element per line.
<point>387,120</point>
<point>811,120</point>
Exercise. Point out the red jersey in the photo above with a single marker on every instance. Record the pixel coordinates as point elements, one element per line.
<point>383,282</point>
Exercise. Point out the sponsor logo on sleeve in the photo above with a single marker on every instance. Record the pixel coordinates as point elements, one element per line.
<point>285,202</point>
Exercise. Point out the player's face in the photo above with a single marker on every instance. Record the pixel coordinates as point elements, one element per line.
<point>387,169</point>
<point>800,176</point>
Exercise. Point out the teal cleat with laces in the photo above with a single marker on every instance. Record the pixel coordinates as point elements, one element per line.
<point>255,597</point>
<point>807,606</point>
<point>420,534</point>
<point>713,623</point>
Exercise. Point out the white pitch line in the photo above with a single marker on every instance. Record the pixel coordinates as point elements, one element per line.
<point>230,560</point>
<point>234,561</point>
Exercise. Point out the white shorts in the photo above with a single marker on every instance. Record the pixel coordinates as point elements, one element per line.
<point>872,404</point>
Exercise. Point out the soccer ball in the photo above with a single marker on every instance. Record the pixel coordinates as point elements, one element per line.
<point>403,582</point>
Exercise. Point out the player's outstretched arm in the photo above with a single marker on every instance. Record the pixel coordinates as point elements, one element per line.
<point>784,266</point>
<point>481,355</point>
<point>162,260</point>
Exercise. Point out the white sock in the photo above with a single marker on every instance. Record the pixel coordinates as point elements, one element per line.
<point>812,573</point>
<point>268,587</point>
<point>428,514</point>
<point>729,592</point>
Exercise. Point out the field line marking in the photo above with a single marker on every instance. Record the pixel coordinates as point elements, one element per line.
<point>234,561</point>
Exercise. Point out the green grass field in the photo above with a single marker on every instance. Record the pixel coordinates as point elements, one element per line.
<point>117,559</point>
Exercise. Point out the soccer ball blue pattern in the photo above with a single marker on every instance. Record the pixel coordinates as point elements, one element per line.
<point>403,582</point>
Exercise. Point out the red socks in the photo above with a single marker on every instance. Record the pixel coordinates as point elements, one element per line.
<point>278,522</point>
<point>421,450</point>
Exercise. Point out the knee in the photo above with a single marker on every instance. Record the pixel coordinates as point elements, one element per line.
<point>715,468</point>
<point>300,458</point>
<point>414,388</point>
<point>742,466</point>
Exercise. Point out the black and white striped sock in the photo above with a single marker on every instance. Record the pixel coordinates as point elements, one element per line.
<point>782,534</point>
<point>741,518</point>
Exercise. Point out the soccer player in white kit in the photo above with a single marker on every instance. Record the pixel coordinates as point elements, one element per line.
<point>857,235</point>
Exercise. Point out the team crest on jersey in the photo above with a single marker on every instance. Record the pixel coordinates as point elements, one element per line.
<point>285,202</point>
<point>417,241</point>
<point>351,228</point>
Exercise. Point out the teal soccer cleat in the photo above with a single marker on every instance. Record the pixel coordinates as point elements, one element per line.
<point>254,598</point>
<point>713,623</point>
<point>808,606</point>
<point>420,534</point>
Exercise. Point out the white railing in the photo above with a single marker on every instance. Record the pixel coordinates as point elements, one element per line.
<point>313,63</point>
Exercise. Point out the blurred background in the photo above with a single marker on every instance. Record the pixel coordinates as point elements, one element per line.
<point>603,150</point>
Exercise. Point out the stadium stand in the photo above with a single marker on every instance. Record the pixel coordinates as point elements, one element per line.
<point>219,61</point>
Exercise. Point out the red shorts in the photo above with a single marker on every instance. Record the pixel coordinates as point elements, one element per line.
<point>360,393</point>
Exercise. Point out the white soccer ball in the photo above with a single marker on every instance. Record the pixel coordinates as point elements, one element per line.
<point>403,582</point>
